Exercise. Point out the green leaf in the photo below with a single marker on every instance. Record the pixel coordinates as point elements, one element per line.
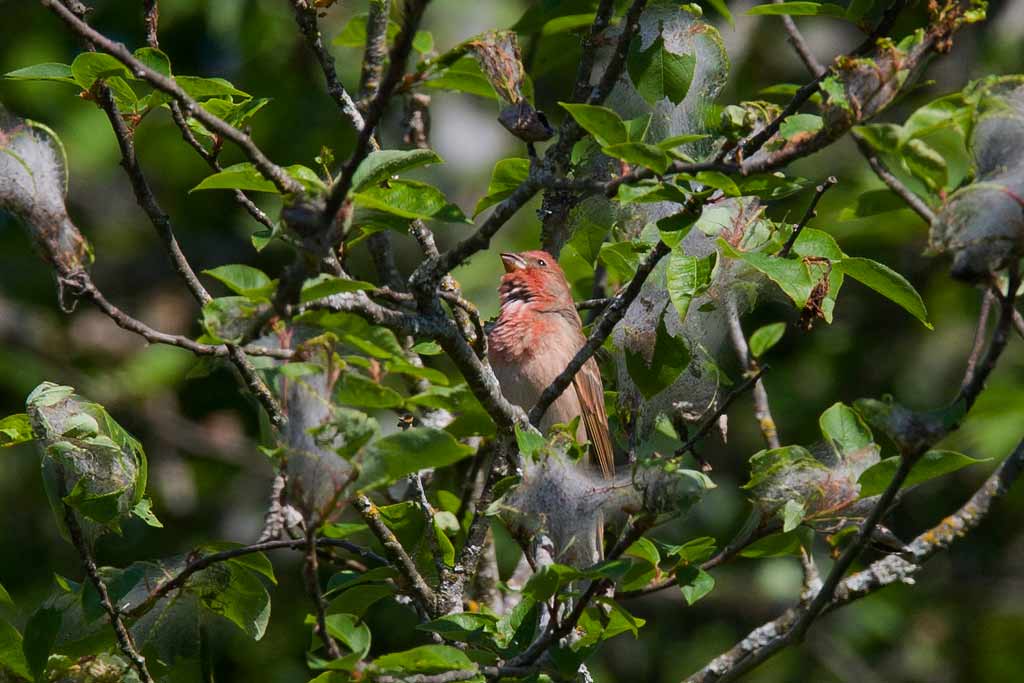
<point>882,137</point>
<point>327,285</point>
<point>243,280</point>
<point>792,514</point>
<point>507,175</point>
<point>799,9</point>
<point>658,73</point>
<point>639,154</point>
<point>155,59</point>
<point>463,626</point>
<point>791,275</point>
<point>925,162</point>
<point>932,464</point>
<point>90,66</point>
<point>774,545</point>
<point>383,164</point>
<point>12,653</point>
<point>844,429</point>
<point>353,34</point>
<point>426,659</point>
<point>720,7</point>
<point>771,186</point>
<point>245,176</point>
<point>719,181</point>
<point>765,338</point>
<point>644,549</point>
<point>886,282</point>
<point>463,76</point>
<point>623,258</point>
<point>604,124</point>
<point>694,551</point>
<point>199,88</point>
<point>40,636</point>
<point>144,511</point>
<point>102,507</point>
<point>15,429</point>
<point>235,592</point>
<point>799,123</point>
<point>5,598</point>
<point>687,277</point>
<point>694,583</point>
<point>410,199</point>
<point>361,391</point>
<point>530,441</point>
<point>423,42</point>
<point>229,318</point>
<point>394,456</point>
<point>670,357</point>
<point>49,71</point>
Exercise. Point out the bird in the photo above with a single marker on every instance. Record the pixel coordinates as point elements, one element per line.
<point>537,333</point>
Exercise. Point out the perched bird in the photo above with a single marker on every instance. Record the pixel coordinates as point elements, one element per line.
<point>537,333</point>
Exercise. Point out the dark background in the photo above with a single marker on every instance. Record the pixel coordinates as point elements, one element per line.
<point>964,620</point>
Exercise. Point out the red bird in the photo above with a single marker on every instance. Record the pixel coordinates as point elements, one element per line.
<point>537,333</point>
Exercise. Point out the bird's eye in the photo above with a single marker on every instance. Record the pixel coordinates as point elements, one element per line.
<point>541,262</point>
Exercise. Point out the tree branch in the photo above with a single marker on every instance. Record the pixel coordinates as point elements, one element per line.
<point>762,409</point>
<point>810,213</point>
<point>271,171</point>
<point>405,564</point>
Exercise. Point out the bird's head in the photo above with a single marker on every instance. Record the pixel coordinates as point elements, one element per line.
<point>534,278</point>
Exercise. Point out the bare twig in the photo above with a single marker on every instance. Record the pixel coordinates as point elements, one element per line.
<point>376,49</point>
<point>762,410</point>
<point>305,17</point>
<point>710,422</point>
<point>375,109</point>
<point>196,565</point>
<point>885,175</point>
<point>121,632</point>
<point>312,575</point>
<point>987,299</point>
<point>811,212</point>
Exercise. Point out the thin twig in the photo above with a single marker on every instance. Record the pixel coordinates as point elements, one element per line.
<point>376,50</point>
<point>885,175</point>
<point>762,409</point>
<point>401,559</point>
<point>305,17</point>
<point>810,213</point>
<point>198,564</point>
<point>121,632</point>
<point>312,575</point>
<point>710,422</point>
<point>375,110</point>
<point>987,299</point>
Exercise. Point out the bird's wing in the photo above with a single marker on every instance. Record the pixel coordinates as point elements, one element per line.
<point>590,392</point>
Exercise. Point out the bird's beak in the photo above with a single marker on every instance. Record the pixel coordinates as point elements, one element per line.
<point>512,262</point>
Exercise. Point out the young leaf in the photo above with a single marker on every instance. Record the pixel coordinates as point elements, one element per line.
<point>358,390</point>
<point>886,282</point>
<point>245,176</point>
<point>243,280</point>
<point>792,514</point>
<point>695,583</point>
<point>844,429</point>
<point>799,123</point>
<point>49,71</point>
<point>15,429</point>
<point>507,175</point>
<point>394,456</point>
<point>687,277</point>
<point>327,285</point>
<point>639,154</point>
<point>410,199</point>
<point>669,358</point>
<point>90,66</point>
<point>765,338</point>
<point>40,635</point>
<point>799,9</point>
<point>425,659</point>
<point>604,124</point>
<point>658,73</point>
<point>12,652</point>
<point>385,163</point>
<point>932,464</point>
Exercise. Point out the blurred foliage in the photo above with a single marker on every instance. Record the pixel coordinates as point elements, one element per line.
<point>964,619</point>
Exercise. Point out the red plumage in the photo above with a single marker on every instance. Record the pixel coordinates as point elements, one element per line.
<point>537,333</point>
